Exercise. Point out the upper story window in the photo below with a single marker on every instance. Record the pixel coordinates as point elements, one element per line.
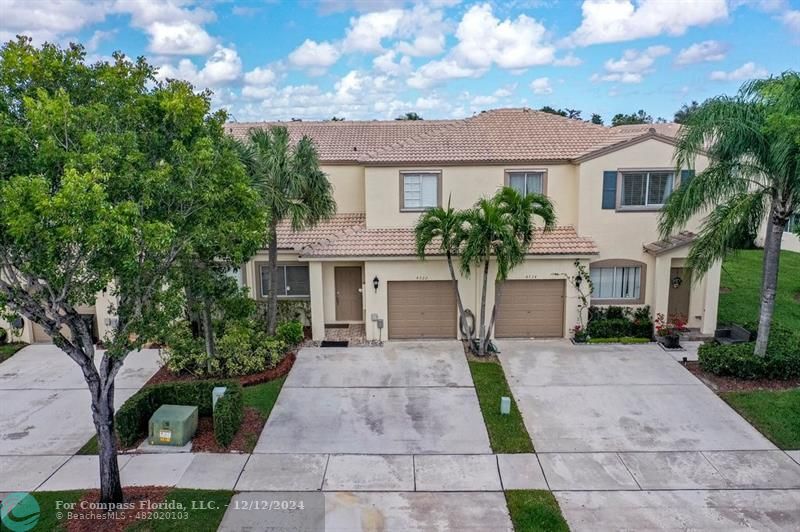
<point>419,190</point>
<point>645,189</point>
<point>526,182</point>
<point>617,281</point>
<point>292,281</point>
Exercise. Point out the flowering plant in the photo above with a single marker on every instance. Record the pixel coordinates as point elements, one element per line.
<point>579,334</point>
<point>666,327</point>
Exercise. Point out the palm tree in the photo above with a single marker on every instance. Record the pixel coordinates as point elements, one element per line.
<point>292,187</point>
<point>751,141</point>
<point>444,225</point>
<point>500,227</point>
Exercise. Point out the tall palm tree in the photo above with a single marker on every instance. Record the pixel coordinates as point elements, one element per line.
<point>501,227</point>
<point>446,226</point>
<point>752,141</point>
<point>292,187</point>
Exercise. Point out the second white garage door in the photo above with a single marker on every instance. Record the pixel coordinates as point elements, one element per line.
<point>421,309</point>
<point>531,309</point>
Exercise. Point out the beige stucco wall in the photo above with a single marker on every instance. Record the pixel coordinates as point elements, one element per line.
<point>790,241</point>
<point>465,185</point>
<point>348,187</point>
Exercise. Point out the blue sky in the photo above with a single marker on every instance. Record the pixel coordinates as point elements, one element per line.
<point>376,59</point>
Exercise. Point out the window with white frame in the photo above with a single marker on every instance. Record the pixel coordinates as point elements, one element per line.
<point>616,282</point>
<point>527,182</point>
<point>292,281</point>
<point>420,190</point>
<point>646,188</point>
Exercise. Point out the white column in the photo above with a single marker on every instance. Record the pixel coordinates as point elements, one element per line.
<point>317,301</point>
<point>661,284</point>
<point>711,299</point>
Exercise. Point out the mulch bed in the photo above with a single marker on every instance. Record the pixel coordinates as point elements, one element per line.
<point>733,384</point>
<point>135,495</point>
<point>244,441</point>
<point>283,367</point>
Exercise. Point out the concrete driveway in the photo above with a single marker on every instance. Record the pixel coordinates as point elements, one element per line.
<point>629,440</point>
<point>46,408</point>
<point>402,398</point>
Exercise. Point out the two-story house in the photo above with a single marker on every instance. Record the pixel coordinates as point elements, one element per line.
<point>607,185</point>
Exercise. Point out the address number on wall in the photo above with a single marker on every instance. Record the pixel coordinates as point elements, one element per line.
<point>422,277</point>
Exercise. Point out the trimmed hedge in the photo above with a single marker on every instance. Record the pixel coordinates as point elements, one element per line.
<point>738,360</point>
<point>619,322</point>
<point>132,418</point>
<point>620,340</point>
<point>290,332</point>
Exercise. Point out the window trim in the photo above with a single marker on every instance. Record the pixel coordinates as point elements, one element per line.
<point>642,208</point>
<point>260,287</point>
<point>401,180</point>
<point>621,263</point>
<point>508,171</point>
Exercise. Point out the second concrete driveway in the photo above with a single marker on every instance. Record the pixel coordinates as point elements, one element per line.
<point>403,398</point>
<point>618,398</point>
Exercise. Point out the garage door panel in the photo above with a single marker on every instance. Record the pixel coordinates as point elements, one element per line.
<point>421,309</point>
<point>531,308</point>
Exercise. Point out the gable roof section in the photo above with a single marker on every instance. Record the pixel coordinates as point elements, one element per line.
<point>324,231</point>
<point>518,135</point>
<point>684,238</point>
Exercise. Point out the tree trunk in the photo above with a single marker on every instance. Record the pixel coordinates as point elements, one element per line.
<point>462,318</point>
<point>208,332</point>
<point>103,417</point>
<point>272,302</point>
<point>191,308</point>
<point>482,340</point>
<point>490,330</point>
<point>772,256</point>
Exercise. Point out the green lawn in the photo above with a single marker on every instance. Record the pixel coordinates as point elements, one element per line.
<point>741,275</point>
<point>6,350</point>
<point>262,397</point>
<point>535,511</point>
<point>507,433</point>
<point>775,413</point>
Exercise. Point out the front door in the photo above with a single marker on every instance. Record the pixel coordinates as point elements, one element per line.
<point>348,293</point>
<point>679,289</point>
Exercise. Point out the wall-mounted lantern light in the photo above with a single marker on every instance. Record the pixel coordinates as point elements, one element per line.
<point>676,281</point>
<point>578,281</point>
<point>375,283</point>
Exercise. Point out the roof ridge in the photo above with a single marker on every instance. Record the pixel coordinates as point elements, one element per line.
<point>419,137</point>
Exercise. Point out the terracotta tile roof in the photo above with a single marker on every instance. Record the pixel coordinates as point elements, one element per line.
<point>499,135</point>
<point>345,141</point>
<point>662,246</point>
<point>340,223</point>
<point>399,242</point>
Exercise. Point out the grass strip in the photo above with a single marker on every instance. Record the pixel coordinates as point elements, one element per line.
<point>776,413</point>
<point>507,433</point>
<point>535,511</point>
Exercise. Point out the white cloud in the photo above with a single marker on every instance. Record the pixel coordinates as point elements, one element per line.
<point>436,72</point>
<point>314,56</point>
<point>701,52</point>
<point>260,76</point>
<point>791,19</point>
<point>632,66</point>
<point>568,60</point>
<point>387,64</point>
<point>222,68</point>
<point>541,86</point>
<point>367,31</point>
<point>513,44</point>
<point>425,30</point>
<point>607,21</point>
<point>747,71</point>
<point>496,96</point>
<point>45,21</point>
<point>179,38</point>
<point>483,100</point>
<point>97,37</point>
<point>428,103</point>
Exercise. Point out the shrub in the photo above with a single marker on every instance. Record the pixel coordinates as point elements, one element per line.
<point>617,322</point>
<point>228,415</point>
<point>738,360</point>
<point>3,336</point>
<point>609,328</point>
<point>621,340</point>
<point>290,332</point>
<point>132,417</point>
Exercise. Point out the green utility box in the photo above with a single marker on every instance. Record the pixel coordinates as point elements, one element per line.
<point>173,425</point>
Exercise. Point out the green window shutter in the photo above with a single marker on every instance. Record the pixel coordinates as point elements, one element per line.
<point>686,176</point>
<point>610,189</point>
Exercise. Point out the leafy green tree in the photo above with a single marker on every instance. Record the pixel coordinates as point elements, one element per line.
<point>409,116</point>
<point>292,187</point>
<point>442,227</point>
<point>553,110</point>
<point>108,177</point>
<point>682,114</point>
<point>501,227</point>
<point>639,117</point>
<point>752,141</point>
<point>596,119</point>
